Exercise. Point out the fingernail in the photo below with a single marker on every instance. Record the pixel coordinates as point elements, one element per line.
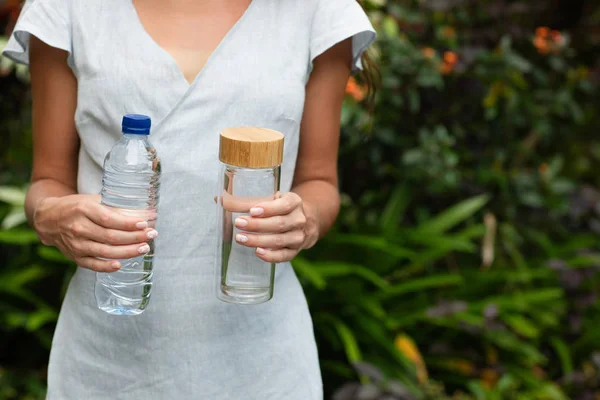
<point>144,249</point>
<point>241,223</point>
<point>152,234</point>
<point>115,265</point>
<point>141,225</point>
<point>241,238</point>
<point>261,251</point>
<point>256,211</point>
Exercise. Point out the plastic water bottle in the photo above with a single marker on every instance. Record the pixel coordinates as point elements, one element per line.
<point>131,187</point>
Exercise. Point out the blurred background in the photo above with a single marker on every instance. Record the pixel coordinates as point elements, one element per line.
<point>465,263</point>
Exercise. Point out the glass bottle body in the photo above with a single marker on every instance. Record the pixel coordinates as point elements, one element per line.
<point>242,277</point>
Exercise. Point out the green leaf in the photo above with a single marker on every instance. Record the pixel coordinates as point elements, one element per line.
<point>53,254</point>
<point>477,389</point>
<point>564,355</point>
<point>350,345</point>
<point>507,382</point>
<point>22,276</point>
<point>454,215</point>
<point>306,270</point>
<point>523,300</point>
<point>585,261</point>
<point>378,335</point>
<point>372,243</point>
<point>447,242</point>
<point>12,195</point>
<point>521,325</point>
<point>472,232</point>
<point>39,318</point>
<point>577,242</point>
<point>337,269</point>
<point>414,101</point>
<point>394,210</point>
<point>372,306</point>
<point>530,354</point>
<point>339,368</point>
<point>428,77</point>
<point>542,240</point>
<point>390,27</point>
<point>15,217</point>
<point>426,257</point>
<point>520,63</point>
<point>18,236</point>
<point>416,285</point>
<point>549,391</point>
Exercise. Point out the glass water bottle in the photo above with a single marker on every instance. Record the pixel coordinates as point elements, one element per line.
<point>250,169</point>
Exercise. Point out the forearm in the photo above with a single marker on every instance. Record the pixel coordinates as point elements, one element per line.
<point>321,201</point>
<point>44,189</point>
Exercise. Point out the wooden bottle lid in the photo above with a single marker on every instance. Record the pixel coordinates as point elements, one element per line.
<point>249,147</point>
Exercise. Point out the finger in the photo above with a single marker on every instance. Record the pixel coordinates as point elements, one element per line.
<point>98,265</point>
<point>277,224</point>
<point>96,233</point>
<point>242,204</point>
<point>101,250</point>
<point>292,240</point>
<point>276,256</point>
<point>104,216</point>
<point>281,206</point>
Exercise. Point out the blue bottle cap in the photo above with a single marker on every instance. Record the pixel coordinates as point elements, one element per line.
<point>136,124</point>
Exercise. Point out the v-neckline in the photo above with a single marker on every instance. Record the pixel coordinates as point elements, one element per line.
<point>153,43</point>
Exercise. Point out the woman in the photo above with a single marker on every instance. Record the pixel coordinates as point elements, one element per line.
<point>195,67</point>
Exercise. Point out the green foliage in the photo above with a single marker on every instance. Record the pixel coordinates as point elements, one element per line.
<point>29,301</point>
<point>464,264</point>
<point>471,195</point>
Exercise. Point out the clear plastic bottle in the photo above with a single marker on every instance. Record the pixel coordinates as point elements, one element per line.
<point>130,186</point>
<point>250,173</point>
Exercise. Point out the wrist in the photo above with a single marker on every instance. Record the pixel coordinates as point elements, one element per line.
<point>41,217</point>
<point>312,228</point>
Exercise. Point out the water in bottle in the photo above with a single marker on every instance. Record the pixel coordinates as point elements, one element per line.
<point>251,161</point>
<point>130,186</point>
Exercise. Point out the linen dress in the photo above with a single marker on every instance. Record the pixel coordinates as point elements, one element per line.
<point>187,344</point>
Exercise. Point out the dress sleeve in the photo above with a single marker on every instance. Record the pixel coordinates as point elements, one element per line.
<point>337,20</point>
<point>48,20</point>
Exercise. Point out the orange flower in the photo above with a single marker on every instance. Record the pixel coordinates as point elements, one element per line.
<point>543,168</point>
<point>541,45</point>
<point>547,40</point>
<point>542,31</point>
<point>449,32</point>
<point>450,57</point>
<point>355,90</point>
<point>446,68</point>
<point>428,52</point>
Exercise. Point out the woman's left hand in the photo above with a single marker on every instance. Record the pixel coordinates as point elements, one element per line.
<point>278,229</point>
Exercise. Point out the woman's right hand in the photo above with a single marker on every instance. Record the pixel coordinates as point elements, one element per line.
<point>86,231</point>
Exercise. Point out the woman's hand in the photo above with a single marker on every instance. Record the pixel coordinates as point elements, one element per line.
<point>85,231</point>
<point>278,229</point>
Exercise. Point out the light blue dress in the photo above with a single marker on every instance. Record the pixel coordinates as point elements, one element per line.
<point>187,345</point>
